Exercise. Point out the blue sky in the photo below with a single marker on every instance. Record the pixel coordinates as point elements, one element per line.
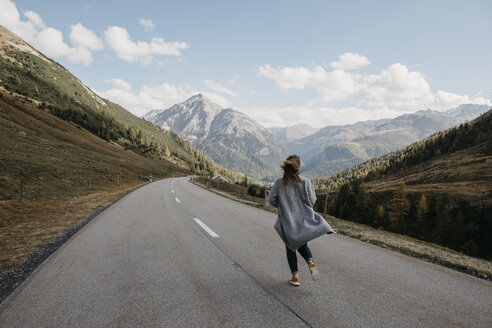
<point>281,62</point>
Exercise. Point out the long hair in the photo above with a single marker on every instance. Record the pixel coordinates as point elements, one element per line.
<point>291,167</point>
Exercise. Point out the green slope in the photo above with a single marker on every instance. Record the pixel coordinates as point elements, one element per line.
<point>26,72</point>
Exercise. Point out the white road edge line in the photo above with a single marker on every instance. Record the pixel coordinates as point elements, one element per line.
<point>177,199</point>
<point>207,229</point>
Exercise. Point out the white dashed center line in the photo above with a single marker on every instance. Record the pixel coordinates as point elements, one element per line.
<point>172,191</point>
<point>207,229</point>
<point>177,199</point>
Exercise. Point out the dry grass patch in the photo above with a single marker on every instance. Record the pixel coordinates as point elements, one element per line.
<point>463,175</point>
<point>29,225</point>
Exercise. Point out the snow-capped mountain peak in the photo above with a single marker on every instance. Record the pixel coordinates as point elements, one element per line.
<point>228,136</point>
<point>201,102</point>
<point>467,111</point>
<point>191,118</point>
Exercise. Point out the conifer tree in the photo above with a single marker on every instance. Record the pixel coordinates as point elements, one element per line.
<point>399,205</point>
<point>422,208</point>
<point>379,214</point>
<point>132,134</point>
<point>362,202</point>
<point>167,153</point>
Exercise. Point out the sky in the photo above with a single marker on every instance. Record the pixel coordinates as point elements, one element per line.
<point>281,62</point>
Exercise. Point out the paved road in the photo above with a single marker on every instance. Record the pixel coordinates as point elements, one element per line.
<point>145,262</point>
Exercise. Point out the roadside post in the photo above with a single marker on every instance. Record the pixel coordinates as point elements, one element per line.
<point>326,203</point>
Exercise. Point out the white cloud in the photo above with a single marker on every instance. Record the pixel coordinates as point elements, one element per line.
<point>118,39</point>
<point>84,38</point>
<point>287,77</point>
<point>119,84</point>
<point>9,16</point>
<point>398,87</point>
<point>215,86</point>
<point>148,98</point>
<point>147,23</point>
<point>335,85</point>
<point>49,40</point>
<point>394,87</point>
<point>331,86</point>
<point>79,55</point>
<point>349,61</point>
<point>35,18</point>
<point>445,100</point>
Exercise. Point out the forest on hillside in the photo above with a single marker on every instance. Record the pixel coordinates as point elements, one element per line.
<point>433,218</point>
<point>437,218</point>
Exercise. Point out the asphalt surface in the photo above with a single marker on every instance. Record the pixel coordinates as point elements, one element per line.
<point>145,262</point>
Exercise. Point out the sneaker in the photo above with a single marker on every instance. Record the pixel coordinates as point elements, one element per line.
<point>313,270</point>
<point>295,281</point>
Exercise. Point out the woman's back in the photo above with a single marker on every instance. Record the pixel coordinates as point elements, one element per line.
<point>294,197</point>
<point>297,222</point>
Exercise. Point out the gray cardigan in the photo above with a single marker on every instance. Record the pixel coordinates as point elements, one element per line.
<point>297,223</point>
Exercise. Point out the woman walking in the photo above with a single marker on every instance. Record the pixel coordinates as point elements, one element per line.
<point>297,223</point>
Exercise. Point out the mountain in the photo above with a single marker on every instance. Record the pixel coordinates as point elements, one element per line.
<point>311,147</point>
<point>467,111</point>
<point>228,136</point>
<point>191,119</point>
<point>27,73</point>
<point>437,189</point>
<point>363,140</point>
<point>290,133</point>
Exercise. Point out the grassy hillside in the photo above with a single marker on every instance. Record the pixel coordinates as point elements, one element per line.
<point>438,189</point>
<point>67,173</point>
<point>26,72</point>
<point>462,175</point>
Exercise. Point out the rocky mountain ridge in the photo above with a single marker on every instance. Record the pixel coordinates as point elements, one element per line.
<point>227,135</point>
<point>335,148</point>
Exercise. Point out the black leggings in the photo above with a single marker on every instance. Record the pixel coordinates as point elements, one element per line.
<point>292,258</point>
